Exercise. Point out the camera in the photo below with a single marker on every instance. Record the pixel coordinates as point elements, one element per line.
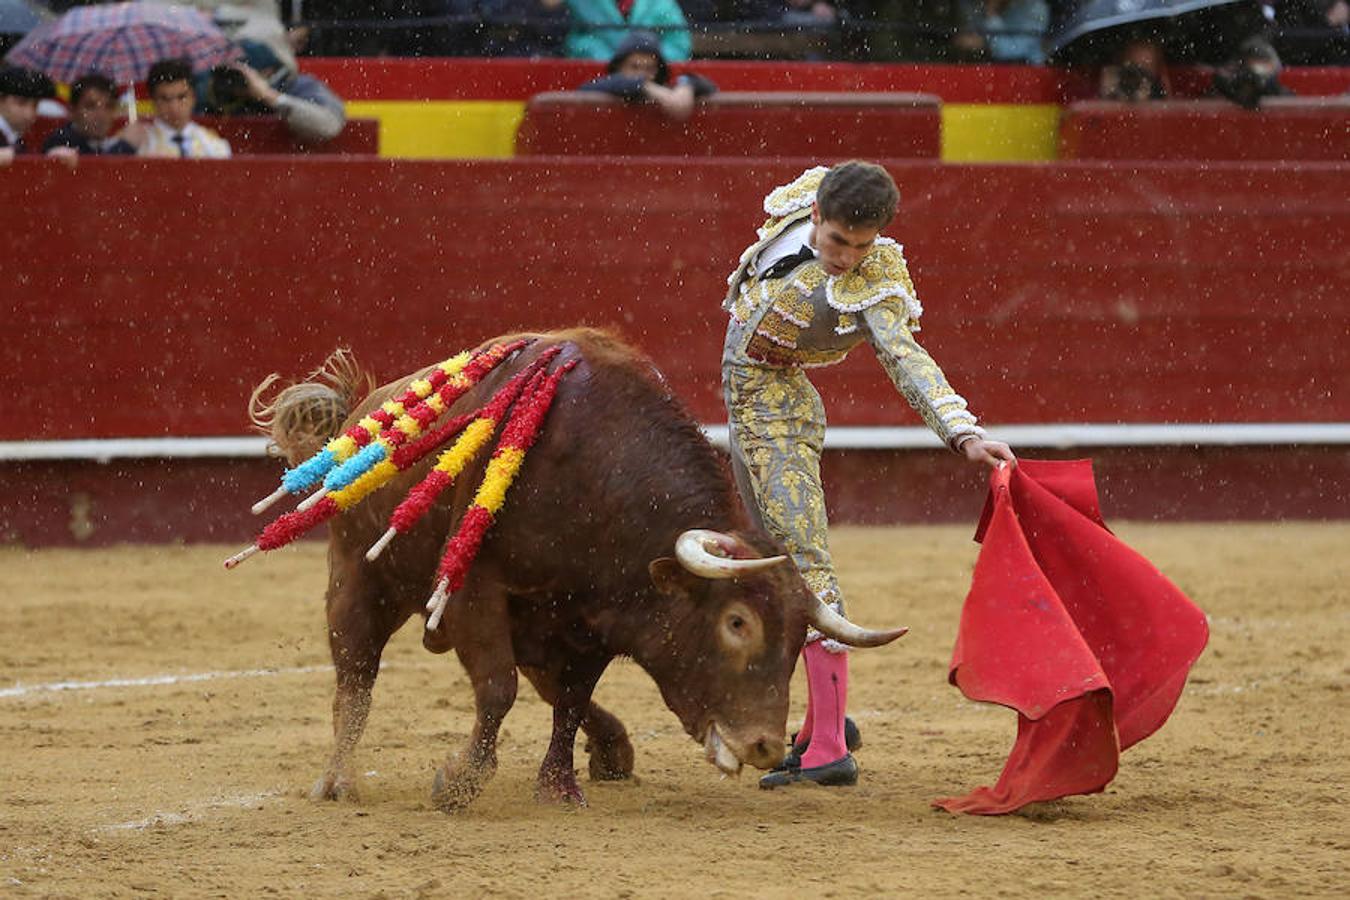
<point>228,87</point>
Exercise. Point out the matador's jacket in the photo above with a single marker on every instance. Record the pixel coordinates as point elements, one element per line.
<point>805,318</point>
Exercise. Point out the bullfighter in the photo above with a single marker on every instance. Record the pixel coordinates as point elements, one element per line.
<point>819,281</point>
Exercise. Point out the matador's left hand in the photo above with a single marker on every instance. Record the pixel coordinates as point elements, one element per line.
<point>991,453</point>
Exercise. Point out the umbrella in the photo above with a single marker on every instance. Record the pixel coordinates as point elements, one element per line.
<point>122,41</point>
<point>1188,30</point>
<point>18,17</point>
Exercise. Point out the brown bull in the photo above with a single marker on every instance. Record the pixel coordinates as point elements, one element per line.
<point>622,536</point>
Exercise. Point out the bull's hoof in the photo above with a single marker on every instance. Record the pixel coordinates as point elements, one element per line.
<point>611,760</point>
<point>561,791</point>
<point>333,786</point>
<point>456,787</point>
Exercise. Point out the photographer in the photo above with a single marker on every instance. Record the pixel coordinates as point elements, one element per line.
<point>263,85</point>
<point>1140,74</point>
<point>1254,74</point>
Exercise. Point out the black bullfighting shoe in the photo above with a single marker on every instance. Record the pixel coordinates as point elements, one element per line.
<point>793,760</point>
<point>843,772</point>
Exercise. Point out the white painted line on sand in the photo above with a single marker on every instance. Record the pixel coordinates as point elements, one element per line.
<point>23,690</point>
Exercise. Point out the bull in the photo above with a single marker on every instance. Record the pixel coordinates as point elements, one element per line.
<point>622,536</point>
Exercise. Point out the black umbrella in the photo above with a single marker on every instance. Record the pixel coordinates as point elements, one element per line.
<point>1194,31</point>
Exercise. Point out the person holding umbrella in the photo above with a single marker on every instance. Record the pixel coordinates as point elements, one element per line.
<point>123,41</point>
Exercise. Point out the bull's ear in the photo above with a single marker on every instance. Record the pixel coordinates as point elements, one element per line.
<point>672,579</point>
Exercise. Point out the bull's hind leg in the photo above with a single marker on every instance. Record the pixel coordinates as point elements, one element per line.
<point>569,690</point>
<point>359,626</point>
<point>477,616</point>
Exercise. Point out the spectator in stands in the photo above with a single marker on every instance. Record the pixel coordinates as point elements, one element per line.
<point>263,85</point>
<point>1002,30</point>
<point>601,25</point>
<point>20,91</point>
<point>1139,73</point>
<point>638,73</point>
<point>1254,74</point>
<point>524,27</point>
<point>173,133</point>
<point>93,108</point>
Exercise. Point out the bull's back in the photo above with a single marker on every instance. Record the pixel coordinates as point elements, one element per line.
<point>617,470</point>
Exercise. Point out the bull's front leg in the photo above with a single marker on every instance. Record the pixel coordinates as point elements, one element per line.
<point>359,627</point>
<point>570,688</point>
<point>477,616</point>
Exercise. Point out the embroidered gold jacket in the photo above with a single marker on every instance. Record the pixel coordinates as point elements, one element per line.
<point>809,318</point>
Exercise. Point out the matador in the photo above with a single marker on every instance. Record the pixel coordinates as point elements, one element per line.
<point>818,282</point>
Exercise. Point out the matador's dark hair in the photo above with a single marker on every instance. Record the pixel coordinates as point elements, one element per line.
<point>858,194</point>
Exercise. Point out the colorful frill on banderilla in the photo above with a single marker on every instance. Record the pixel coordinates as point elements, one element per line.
<point>396,436</point>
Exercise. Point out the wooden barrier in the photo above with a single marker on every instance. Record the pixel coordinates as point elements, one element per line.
<point>1077,292</point>
<point>824,125</point>
<point>1293,128</point>
<point>261,135</point>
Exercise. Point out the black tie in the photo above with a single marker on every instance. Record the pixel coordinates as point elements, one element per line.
<point>789,262</point>
<point>181,140</point>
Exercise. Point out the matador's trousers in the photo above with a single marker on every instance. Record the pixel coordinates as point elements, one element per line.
<point>777,424</point>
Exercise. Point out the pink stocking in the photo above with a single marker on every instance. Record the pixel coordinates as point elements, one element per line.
<point>827,685</point>
<point>804,733</point>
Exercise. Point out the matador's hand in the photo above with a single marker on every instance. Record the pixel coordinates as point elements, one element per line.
<point>991,453</point>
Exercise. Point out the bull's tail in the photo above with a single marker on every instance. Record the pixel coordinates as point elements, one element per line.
<point>303,416</point>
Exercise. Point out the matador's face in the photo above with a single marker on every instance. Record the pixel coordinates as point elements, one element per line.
<point>840,247</point>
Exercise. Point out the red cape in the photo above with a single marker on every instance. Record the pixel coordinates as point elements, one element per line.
<point>1078,633</point>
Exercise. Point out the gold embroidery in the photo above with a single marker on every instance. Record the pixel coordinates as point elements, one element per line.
<point>880,275</point>
<point>794,196</point>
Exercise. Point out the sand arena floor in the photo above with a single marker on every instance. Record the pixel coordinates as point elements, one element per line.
<point>195,785</point>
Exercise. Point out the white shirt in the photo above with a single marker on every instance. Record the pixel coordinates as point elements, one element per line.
<point>197,143</point>
<point>786,244</point>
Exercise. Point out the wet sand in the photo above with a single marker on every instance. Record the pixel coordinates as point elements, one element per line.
<point>196,785</point>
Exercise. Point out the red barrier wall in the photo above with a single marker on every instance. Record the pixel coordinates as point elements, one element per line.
<point>868,126</point>
<point>156,501</point>
<point>1282,129</point>
<point>1055,293</point>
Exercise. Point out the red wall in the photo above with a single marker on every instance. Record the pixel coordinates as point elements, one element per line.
<point>147,298</point>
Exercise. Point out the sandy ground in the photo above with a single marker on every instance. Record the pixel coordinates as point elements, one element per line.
<point>197,787</point>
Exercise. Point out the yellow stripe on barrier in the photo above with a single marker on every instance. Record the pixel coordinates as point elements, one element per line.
<point>1000,132</point>
<point>443,129</point>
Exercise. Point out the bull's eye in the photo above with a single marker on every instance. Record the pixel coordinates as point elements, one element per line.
<point>741,633</point>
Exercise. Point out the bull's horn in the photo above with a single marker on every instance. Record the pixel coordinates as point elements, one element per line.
<point>833,625</point>
<point>691,549</point>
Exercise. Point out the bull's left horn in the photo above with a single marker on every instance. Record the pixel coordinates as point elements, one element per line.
<point>691,549</point>
<point>833,625</point>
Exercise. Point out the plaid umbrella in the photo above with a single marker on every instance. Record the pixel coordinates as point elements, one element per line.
<point>122,41</point>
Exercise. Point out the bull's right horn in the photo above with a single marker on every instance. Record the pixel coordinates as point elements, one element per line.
<point>691,549</point>
<point>833,625</point>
